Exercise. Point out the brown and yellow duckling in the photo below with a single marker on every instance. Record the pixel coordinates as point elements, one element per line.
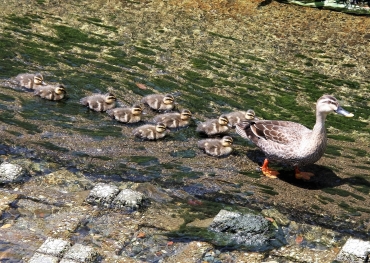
<point>29,80</point>
<point>159,102</point>
<point>51,92</point>
<point>240,116</point>
<point>126,115</point>
<point>214,126</point>
<point>99,102</point>
<point>217,147</point>
<point>175,119</point>
<point>151,132</point>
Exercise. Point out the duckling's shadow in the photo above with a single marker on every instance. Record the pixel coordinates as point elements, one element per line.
<point>324,177</point>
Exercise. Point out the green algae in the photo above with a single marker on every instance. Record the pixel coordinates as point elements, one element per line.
<point>183,154</point>
<point>145,51</point>
<point>333,150</point>
<point>325,199</point>
<point>100,132</point>
<point>343,193</point>
<point>51,146</point>
<point>143,160</point>
<point>179,176</point>
<point>267,189</point>
<point>10,119</point>
<point>251,174</point>
<point>339,137</point>
<point>7,98</point>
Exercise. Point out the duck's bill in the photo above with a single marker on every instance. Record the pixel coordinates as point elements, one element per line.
<point>343,112</point>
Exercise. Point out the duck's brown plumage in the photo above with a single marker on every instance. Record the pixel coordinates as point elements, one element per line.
<point>290,142</point>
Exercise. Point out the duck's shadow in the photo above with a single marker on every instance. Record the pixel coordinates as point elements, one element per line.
<point>324,176</point>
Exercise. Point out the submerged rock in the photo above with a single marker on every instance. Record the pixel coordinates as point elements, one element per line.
<point>277,216</point>
<point>355,7</point>
<point>54,247</point>
<point>128,197</point>
<point>80,253</point>
<point>251,231</point>
<point>110,196</point>
<point>354,251</point>
<point>10,172</point>
<point>103,194</point>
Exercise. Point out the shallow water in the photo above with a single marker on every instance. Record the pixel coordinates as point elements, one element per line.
<point>213,61</point>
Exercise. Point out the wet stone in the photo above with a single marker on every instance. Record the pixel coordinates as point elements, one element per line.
<point>244,230</point>
<point>54,247</point>
<point>354,251</point>
<point>80,253</point>
<point>6,199</point>
<point>38,258</point>
<point>128,198</point>
<point>277,216</point>
<point>10,172</point>
<point>102,195</point>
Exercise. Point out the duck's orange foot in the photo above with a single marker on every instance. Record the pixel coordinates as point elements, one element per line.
<point>267,171</point>
<point>303,175</point>
<point>270,173</point>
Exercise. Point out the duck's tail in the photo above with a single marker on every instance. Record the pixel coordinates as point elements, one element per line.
<point>241,129</point>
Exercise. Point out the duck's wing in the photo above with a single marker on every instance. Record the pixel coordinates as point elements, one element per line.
<point>282,132</point>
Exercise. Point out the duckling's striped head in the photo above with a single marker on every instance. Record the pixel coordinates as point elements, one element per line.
<point>223,120</point>
<point>226,141</point>
<point>160,127</point>
<point>328,103</point>
<point>168,99</point>
<point>137,109</point>
<point>185,114</point>
<point>60,90</point>
<point>38,79</point>
<point>110,98</point>
<point>250,114</point>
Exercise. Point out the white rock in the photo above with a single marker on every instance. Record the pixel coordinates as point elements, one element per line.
<point>354,251</point>
<point>10,172</point>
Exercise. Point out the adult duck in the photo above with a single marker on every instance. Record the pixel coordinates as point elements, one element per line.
<point>290,142</point>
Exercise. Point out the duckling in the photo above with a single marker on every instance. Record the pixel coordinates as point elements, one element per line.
<point>151,132</point>
<point>51,92</point>
<point>29,80</point>
<point>99,102</point>
<point>126,115</point>
<point>239,116</point>
<point>214,126</point>
<point>174,119</point>
<point>159,102</point>
<point>217,147</point>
